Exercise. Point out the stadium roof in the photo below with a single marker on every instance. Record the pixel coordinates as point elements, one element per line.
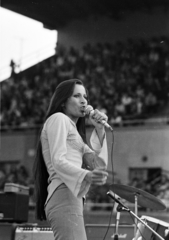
<point>55,14</point>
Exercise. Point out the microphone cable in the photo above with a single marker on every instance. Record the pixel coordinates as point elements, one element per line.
<point>112,169</point>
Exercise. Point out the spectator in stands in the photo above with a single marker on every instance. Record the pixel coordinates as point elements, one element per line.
<point>163,188</point>
<point>13,173</point>
<point>22,175</point>
<point>61,152</point>
<point>12,65</point>
<point>150,103</point>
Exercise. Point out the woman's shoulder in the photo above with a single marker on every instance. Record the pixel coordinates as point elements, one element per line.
<point>57,117</point>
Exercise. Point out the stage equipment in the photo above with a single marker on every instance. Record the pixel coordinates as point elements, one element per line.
<point>14,207</point>
<point>34,232</point>
<point>98,231</point>
<point>157,225</point>
<point>130,194</point>
<point>144,199</point>
<point>11,231</point>
<point>138,197</point>
<point>17,188</point>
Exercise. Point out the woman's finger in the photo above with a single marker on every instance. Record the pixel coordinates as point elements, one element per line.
<point>100,172</point>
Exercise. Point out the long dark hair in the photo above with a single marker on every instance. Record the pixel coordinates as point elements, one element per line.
<point>62,92</point>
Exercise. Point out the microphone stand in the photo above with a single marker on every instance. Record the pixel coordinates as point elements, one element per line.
<point>116,235</point>
<point>124,208</point>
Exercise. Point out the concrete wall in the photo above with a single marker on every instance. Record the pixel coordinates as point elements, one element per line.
<point>130,145</point>
<point>104,29</point>
<point>18,146</point>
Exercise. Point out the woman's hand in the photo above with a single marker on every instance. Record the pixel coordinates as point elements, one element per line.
<point>97,177</point>
<point>97,117</point>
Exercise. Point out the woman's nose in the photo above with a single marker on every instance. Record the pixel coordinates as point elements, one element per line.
<point>83,100</point>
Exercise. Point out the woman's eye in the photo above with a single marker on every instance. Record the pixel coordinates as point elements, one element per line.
<point>78,95</point>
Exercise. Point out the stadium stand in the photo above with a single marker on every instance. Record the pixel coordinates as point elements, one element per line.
<point>129,80</point>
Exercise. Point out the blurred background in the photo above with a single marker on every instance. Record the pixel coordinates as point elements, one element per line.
<point>120,50</point>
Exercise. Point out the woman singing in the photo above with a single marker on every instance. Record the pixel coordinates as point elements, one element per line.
<point>61,181</point>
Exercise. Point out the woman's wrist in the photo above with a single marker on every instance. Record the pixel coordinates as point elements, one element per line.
<point>101,134</point>
<point>88,177</point>
<point>100,130</point>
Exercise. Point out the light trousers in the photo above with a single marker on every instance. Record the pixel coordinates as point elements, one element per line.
<point>65,214</point>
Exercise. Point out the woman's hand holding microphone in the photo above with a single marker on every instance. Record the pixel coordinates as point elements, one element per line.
<point>97,118</point>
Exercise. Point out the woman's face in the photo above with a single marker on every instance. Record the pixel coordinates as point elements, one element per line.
<point>76,104</point>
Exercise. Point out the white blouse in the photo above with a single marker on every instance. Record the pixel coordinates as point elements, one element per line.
<point>64,153</point>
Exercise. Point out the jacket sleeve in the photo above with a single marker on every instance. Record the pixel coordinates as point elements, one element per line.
<point>95,157</point>
<point>99,156</point>
<point>57,131</point>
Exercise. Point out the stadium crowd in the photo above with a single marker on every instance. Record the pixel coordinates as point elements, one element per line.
<point>128,80</point>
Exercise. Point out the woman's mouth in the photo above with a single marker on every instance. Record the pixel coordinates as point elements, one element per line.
<point>83,110</point>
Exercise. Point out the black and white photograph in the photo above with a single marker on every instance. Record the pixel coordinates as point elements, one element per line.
<point>84,120</point>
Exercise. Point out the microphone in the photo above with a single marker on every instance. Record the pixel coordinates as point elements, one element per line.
<point>112,195</point>
<point>90,111</point>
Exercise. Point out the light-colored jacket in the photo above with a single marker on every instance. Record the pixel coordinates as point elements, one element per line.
<point>64,152</point>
